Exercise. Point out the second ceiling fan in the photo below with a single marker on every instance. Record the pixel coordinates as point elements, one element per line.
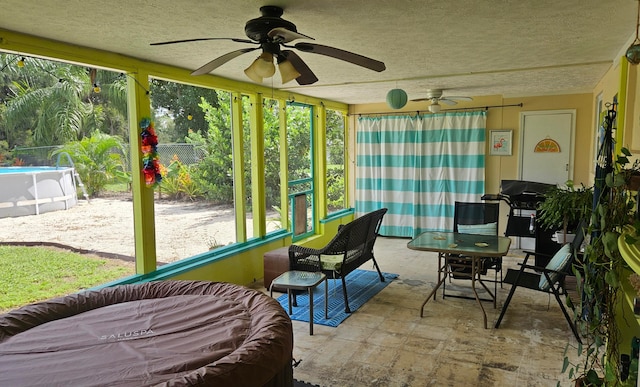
<point>435,96</point>
<point>271,33</point>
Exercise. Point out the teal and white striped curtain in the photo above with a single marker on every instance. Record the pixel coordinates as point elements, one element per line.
<point>418,167</point>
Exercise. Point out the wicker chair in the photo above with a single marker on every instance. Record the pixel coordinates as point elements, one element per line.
<point>349,249</point>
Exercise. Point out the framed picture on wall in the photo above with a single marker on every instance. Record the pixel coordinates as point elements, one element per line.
<point>501,142</point>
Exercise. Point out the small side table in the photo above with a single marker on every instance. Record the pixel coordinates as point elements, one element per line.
<point>302,280</point>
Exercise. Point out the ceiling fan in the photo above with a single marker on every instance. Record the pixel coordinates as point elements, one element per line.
<point>435,96</point>
<point>271,33</point>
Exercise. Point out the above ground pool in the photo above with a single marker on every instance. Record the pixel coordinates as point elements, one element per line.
<point>35,190</point>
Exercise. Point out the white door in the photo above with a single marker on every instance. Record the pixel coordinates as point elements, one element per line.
<point>546,146</point>
<point>546,151</point>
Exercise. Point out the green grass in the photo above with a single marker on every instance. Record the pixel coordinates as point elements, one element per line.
<point>30,274</point>
<point>117,187</point>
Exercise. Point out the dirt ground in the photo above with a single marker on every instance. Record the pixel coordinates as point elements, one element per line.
<point>105,225</point>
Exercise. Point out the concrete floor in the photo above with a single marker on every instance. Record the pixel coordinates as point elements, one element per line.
<point>387,343</point>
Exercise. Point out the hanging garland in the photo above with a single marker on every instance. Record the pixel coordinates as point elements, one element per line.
<point>150,158</point>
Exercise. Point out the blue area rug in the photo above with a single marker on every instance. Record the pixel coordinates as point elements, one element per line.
<point>361,286</point>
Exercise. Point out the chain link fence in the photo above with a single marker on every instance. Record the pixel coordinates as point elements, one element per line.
<point>41,156</point>
<point>35,156</point>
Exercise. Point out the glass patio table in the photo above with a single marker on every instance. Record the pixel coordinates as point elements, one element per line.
<point>475,247</point>
<point>302,280</point>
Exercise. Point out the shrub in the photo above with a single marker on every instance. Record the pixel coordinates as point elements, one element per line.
<point>99,160</point>
<point>177,182</point>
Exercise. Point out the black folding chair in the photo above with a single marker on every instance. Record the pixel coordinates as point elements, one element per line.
<point>474,218</point>
<point>549,279</point>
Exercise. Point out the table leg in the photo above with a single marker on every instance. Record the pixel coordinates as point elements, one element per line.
<point>442,264</point>
<point>326,299</point>
<point>433,293</point>
<point>310,289</point>
<point>491,294</point>
<point>474,272</point>
<point>494,294</point>
<point>289,300</point>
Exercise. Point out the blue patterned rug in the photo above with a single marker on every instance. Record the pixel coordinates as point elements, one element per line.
<point>361,286</point>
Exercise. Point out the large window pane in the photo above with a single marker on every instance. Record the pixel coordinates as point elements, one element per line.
<point>336,188</point>
<point>65,132</point>
<point>300,166</point>
<point>274,205</point>
<point>246,166</point>
<point>195,200</point>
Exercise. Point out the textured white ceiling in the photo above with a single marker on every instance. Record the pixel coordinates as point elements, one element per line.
<point>473,47</point>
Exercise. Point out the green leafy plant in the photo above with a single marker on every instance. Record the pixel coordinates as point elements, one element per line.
<point>98,159</point>
<point>335,187</point>
<point>5,154</point>
<point>598,273</point>
<point>177,182</point>
<point>564,207</point>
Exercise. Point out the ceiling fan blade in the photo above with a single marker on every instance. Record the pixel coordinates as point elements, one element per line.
<point>459,98</point>
<point>447,101</point>
<point>346,56</point>
<point>444,100</point>
<point>285,36</point>
<point>307,77</point>
<point>201,39</point>
<point>219,61</point>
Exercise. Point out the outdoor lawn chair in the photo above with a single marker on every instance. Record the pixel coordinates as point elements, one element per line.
<point>549,279</point>
<point>474,218</point>
<point>349,249</point>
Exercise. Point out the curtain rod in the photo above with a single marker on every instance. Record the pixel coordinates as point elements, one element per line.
<point>441,111</point>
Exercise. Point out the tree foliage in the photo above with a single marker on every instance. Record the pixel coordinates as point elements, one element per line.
<point>214,173</point>
<point>57,102</point>
<point>181,103</point>
<point>335,161</point>
<point>48,103</point>
<point>299,141</point>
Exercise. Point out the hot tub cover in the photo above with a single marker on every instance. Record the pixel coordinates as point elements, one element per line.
<point>168,333</point>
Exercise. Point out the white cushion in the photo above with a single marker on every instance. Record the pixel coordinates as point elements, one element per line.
<point>331,262</point>
<point>558,263</point>
<point>479,229</point>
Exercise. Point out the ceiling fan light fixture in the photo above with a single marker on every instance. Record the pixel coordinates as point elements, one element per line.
<point>271,33</point>
<point>262,67</point>
<point>251,73</point>
<point>287,71</point>
<point>435,107</point>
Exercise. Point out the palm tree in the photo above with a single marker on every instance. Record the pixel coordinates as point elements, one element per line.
<point>58,101</point>
<point>99,160</point>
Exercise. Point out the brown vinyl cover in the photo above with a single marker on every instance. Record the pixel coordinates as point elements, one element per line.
<point>167,333</point>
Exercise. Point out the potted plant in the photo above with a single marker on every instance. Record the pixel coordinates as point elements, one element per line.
<point>563,207</point>
<point>598,273</point>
